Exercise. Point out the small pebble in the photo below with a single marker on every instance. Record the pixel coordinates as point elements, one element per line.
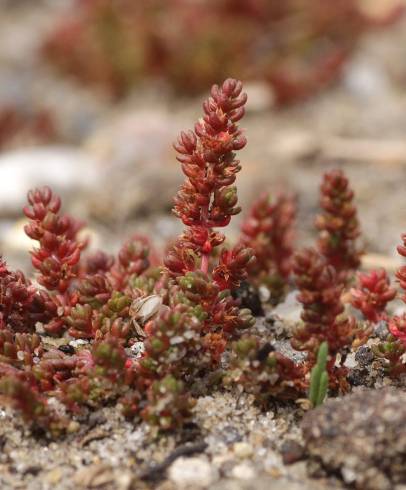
<point>243,450</point>
<point>243,471</point>
<point>291,451</point>
<point>54,476</point>
<point>73,427</point>
<point>185,472</point>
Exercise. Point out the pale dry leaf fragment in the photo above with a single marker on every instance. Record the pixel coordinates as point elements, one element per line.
<point>144,309</point>
<point>94,435</point>
<point>94,476</point>
<point>304,403</point>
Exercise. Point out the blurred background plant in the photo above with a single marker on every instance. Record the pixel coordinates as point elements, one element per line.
<point>17,126</point>
<point>297,46</point>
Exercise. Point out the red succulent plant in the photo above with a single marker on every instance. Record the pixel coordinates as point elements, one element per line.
<point>268,230</point>
<point>148,337</point>
<point>338,224</point>
<point>322,316</point>
<point>372,294</point>
<point>207,199</point>
<point>397,324</point>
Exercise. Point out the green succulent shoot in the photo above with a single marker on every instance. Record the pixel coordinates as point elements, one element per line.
<point>319,377</point>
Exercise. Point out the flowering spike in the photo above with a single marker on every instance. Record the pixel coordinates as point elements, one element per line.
<point>59,252</point>
<point>338,224</point>
<point>319,293</point>
<point>268,230</point>
<point>133,260</point>
<point>207,199</point>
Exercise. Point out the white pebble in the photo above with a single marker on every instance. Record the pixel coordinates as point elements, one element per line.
<point>185,472</point>
<point>243,471</point>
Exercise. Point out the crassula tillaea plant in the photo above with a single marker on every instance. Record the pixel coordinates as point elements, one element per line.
<point>393,348</point>
<point>372,294</point>
<point>338,224</point>
<point>323,318</point>
<point>207,200</point>
<point>155,333</point>
<point>192,335</point>
<point>268,230</point>
<point>177,318</point>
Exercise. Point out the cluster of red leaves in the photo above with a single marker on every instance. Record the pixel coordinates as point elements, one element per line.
<point>85,298</point>
<point>322,316</point>
<point>178,321</point>
<point>58,255</point>
<point>298,46</point>
<point>339,230</point>
<point>20,307</point>
<point>268,231</point>
<point>393,348</point>
<point>372,294</point>
<point>338,224</point>
<point>150,333</point>
<point>397,324</point>
<point>207,198</point>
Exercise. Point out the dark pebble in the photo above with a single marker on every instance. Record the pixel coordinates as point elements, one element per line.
<point>67,349</point>
<point>364,356</point>
<point>249,298</point>
<point>292,452</point>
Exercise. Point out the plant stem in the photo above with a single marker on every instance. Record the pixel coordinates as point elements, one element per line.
<point>204,266</point>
